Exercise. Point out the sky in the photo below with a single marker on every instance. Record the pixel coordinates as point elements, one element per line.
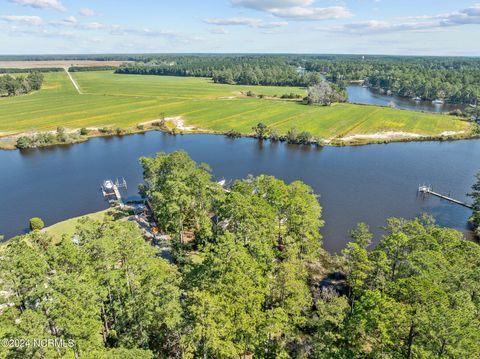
<point>390,27</point>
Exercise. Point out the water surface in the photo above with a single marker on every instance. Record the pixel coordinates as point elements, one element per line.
<point>368,183</point>
<point>364,95</point>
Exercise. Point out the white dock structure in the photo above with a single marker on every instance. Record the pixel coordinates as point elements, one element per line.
<point>429,190</point>
<point>111,190</point>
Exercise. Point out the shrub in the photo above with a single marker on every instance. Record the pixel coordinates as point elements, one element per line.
<point>233,134</point>
<point>318,141</point>
<point>274,135</point>
<point>292,135</point>
<point>36,224</point>
<point>261,131</point>
<point>24,142</point>
<point>290,95</point>
<point>457,112</point>
<point>162,124</point>
<point>304,138</point>
<point>119,131</point>
<point>83,131</point>
<point>476,129</point>
<point>141,127</point>
<point>62,136</point>
<point>45,139</point>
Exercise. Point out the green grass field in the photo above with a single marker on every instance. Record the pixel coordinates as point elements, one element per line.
<point>125,100</point>
<point>68,226</point>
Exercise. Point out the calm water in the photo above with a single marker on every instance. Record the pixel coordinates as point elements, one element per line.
<point>368,183</point>
<point>363,95</point>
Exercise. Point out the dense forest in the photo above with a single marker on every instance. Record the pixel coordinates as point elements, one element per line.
<point>20,84</point>
<point>455,80</point>
<point>247,277</point>
<point>242,70</point>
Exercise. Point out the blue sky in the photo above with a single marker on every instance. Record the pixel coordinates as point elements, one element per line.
<point>408,27</point>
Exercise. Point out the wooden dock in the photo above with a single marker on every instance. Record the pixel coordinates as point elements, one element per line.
<point>117,193</point>
<point>429,190</point>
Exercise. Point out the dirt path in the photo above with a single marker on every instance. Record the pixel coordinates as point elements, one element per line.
<point>74,82</point>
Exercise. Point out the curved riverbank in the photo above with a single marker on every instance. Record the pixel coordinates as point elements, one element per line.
<point>176,125</point>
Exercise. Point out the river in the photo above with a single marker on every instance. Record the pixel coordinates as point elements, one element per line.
<point>367,183</point>
<point>364,95</point>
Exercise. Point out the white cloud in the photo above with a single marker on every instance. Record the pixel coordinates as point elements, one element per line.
<point>312,13</point>
<point>466,16</point>
<point>87,12</point>
<point>271,4</point>
<point>41,4</point>
<point>72,22</point>
<point>301,10</point>
<point>29,20</point>
<point>245,21</point>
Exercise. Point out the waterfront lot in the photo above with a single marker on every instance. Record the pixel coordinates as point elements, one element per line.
<point>111,100</point>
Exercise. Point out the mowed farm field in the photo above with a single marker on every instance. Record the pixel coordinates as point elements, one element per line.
<point>111,100</point>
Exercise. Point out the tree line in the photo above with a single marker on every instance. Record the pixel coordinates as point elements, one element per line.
<point>91,68</point>
<point>8,70</point>
<point>248,277</point>
<point>20,84</point>
<point>475,195</point>
<point>242,70</point>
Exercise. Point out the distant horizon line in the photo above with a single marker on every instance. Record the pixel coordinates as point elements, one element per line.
<point>232,54</point>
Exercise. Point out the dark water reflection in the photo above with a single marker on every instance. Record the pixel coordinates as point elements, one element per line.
<point>368,183</point>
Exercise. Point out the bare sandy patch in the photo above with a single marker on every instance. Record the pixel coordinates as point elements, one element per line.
<point>452,133</point>
<point>392,135</point>
<point>69,131</point>
<point>388,135</point>
<point>177,121</point>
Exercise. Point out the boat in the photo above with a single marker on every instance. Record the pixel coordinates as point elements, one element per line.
<point>108,185</point>
<point>417,99</point>
<point>438,102</point>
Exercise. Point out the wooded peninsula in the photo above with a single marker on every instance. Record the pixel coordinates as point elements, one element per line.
<point>245,276</point>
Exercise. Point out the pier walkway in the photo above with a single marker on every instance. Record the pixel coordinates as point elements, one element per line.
<point>429,190</point>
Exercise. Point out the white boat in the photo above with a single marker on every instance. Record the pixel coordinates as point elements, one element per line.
<point>438,102</point>
<point>108,185</point>
<point>417,99</point>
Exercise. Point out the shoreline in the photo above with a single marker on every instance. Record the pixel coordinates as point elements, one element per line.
<point>179,129</point>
